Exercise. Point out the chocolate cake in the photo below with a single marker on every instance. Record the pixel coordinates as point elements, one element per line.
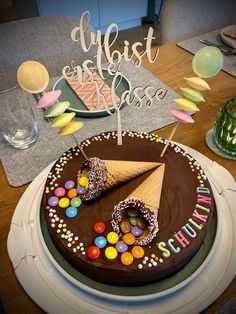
<point>87,232</point>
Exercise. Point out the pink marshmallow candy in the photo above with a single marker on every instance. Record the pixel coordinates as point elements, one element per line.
<point>181,116</point>
<point>48,99</point>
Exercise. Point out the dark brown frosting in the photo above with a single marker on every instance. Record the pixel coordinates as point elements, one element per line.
<point>178,200</point>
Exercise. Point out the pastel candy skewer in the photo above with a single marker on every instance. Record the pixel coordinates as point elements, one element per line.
<point>181,116</point>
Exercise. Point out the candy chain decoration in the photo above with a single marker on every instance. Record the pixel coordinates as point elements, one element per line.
<point>207,62</point>
<point>26,74</point>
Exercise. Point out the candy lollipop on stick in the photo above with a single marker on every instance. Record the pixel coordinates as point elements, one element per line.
<point>33,77</point>
<point>207,62</point>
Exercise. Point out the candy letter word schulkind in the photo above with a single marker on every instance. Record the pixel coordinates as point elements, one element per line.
<point>85,73</point>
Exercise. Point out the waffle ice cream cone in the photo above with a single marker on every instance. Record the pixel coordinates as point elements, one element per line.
<point>146,198</point>
<point>106,174</point>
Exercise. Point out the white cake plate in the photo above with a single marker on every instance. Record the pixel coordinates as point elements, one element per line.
<point>55,291</point>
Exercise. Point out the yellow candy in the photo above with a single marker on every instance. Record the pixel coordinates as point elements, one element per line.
<point>111,252</point>
<point>112,237</point>
<point>62,120</point>
<point>186,104</point>
<point>71,128</point>
<point>33,77</point>
<point>197,83</point>
<point>192,94</point>
<point>83,181</point>
<point>64,202</point>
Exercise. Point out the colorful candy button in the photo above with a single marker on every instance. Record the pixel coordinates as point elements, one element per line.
<point>121,246</point>
<point>137,251</point>
<point>133,220</point>
<point>125,225</point>
<point>81,190</point>
<point>62,120</point>
<point>93,252</point>
<point>127,258</point>
<point>197,83</point>
<point>192,94</point>
<point>57,109</point>
<point>60,192</point>
<point>111,252</point>
<point>100,242</point>
<point>99,227</point>
<point>48,98</point>
<point>186,104</point>
<point>72,193</point>
<point>64,202</point>
<point>83,181</point>
<point>76,202</point>
<point>69,184</point>
<point>112,237</point>
<point>181,115</point>
<point>53,201</point>
<point>71,128</point>
<point>132,212</point>
<point>71,212</point>
<point>136,231</point>
<point>129,238</point>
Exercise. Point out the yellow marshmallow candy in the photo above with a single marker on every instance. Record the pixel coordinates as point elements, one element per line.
<point>197,83</point>
<point>70,128</point>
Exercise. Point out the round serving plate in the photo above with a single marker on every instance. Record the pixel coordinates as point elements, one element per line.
<point>56,290</point>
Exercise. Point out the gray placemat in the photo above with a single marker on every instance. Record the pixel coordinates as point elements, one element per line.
<point>193,45</point>
<point>22,166</point>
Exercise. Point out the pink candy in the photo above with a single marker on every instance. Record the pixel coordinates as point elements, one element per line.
<point>181,116</point>
<point>48,99</point>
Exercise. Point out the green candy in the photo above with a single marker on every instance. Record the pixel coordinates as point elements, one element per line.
<point>192,94</point>
<point>62,120</point>
<point>76,201</point>
<point>133,221</point>
<point>57,109</point>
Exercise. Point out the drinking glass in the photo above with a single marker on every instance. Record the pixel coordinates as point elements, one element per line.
<point>17,121</point>
<point>225,128</point>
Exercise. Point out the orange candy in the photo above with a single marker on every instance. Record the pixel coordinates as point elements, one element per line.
<point>137,251</point>
<point>129,238</point>
<point>72,193</point>
<point>126,258</point>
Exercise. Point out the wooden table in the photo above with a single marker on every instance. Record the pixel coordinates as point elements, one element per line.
<point>172,65</point>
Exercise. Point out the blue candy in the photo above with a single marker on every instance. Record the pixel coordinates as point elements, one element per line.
<point>100,242</point>
<point>71,212</point>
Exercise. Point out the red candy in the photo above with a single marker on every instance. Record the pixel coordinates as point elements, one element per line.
<point>99,227</point>
<point>93,252</point>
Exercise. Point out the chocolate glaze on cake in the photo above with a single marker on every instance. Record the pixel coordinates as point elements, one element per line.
<point>185,211</point>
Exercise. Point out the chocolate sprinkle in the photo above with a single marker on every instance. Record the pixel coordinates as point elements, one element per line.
<point>147,213</point>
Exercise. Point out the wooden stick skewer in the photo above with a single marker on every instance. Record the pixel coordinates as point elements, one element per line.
<point>80,148</point>
<point>169,139</point>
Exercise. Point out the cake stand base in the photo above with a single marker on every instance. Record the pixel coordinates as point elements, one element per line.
<point>55,291</point>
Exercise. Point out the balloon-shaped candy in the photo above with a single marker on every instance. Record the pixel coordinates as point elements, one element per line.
<point>57,109</point>
<point>192,94</point>
<point>71,128</point>
<point>186,104</point>
<point>33,77</point>
<point>62,120</point>
<point>181,115</point>
<point>208,61</point>
<point>197,83</point>
<point>48,99</point>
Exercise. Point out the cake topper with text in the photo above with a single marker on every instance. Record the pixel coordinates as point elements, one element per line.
<point>85,72</point>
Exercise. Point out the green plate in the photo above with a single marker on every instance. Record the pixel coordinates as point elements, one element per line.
<point>77,105</point>
<point>159,286</point>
